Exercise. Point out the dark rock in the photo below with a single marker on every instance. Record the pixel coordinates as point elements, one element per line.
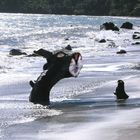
<point>136,43</point>
<point>127,25</point>
<point>136,35</point>
<point>68,47</point>
<point>116,28</point>
<point>120,91</point>
<point>136,32</point>
<point>66,39</point>
<point>102,41</point>
<point>121,52</point>
<point>16,52</point>
<point>109,26</point>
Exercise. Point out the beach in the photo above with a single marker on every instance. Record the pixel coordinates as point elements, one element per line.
<point>82,108</point>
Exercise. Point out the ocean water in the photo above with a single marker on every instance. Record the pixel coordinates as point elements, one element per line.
<point>81,107</point>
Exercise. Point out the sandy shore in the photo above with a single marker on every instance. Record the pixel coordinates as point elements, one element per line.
<point>95,115</point>
<point>104,117</point>
<point>123,122</point>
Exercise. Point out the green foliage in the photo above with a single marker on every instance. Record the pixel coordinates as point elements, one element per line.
<point>85,7</point>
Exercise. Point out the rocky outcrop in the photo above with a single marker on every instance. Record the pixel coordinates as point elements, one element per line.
<point>16,52</point>
<point>136,35</point>
<point>127,25</point>
<point>102,41</point>
<point>121,52</point>
<point>136,43</point>
<point>109,26</point>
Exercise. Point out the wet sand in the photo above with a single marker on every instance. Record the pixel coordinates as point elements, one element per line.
<point>94,115</point>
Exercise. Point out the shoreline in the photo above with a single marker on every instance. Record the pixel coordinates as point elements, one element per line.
<point>20,13</point>
<point>93,114</point>
<point>121,124</point>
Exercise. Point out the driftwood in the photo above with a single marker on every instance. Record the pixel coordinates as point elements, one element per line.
<point>60,64</point>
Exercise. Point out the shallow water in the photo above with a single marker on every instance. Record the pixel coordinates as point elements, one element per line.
<point>83,107</point>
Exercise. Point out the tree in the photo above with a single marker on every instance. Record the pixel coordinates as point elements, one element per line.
<point>85,7</point>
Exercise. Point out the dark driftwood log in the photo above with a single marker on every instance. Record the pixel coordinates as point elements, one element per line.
<point>60,65</point>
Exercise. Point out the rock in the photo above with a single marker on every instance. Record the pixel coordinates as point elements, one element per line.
<point>68,47</point>
<point>116,28</point>
<point>66,39</point>
<point>120,91</point>
<point>109,26</point>
<point>136,35</point>
<point>102,41</point>
<point>121,52</point>
<point>33,55</point>
<point>16,52</point>
<point>127,25</point>
<point>136,43</point>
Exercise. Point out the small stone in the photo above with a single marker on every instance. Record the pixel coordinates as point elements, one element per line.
<point>121,52</point>
<point>16,52</point>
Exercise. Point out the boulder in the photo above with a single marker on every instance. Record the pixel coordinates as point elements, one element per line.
<point>68,47</point>
<point>136,43</point>
<point>136,35</point>
<point>116,28</point>
<point>121,52</point>
<point>102,41</point>
<point>66,39</point>
<point>16,52</point>
<point>127,25</point>
<point>109,26</point>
